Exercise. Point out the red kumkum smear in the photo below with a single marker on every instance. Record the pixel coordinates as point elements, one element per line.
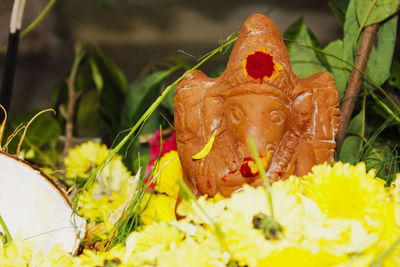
<point>245,168</point>
<point>260,65</point>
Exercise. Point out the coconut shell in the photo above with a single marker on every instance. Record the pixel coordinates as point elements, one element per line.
<point>35,208</point>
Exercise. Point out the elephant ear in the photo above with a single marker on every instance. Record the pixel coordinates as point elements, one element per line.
<point>188,113</point>
<point>260,55</point>
<point>326,117</point>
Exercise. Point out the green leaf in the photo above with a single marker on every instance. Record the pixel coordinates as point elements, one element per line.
<point>305,61</point>
<point>338,69</point>
<point>379,156</point>
<point>89,122</point>
<point>113,73</point>
<point>98,80</point>
<point>341,5</point>
<point>217,72</point>
<point>41,137</point>
<point>381,10</point>
<point>141,94</point>
<point>350,28</point>
<point>380,60</point>
<point>84,79</point>
<point>43,129</point>
<point>97,73</point>
<point>395,74</point>
<point>352,144</point>
<point>113,92</point>
<point>168,101</point>
<point>339,8</point>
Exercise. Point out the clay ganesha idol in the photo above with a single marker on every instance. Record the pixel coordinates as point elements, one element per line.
<point>293,121</point>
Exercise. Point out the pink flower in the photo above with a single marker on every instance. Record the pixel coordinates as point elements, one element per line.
<point>154,151</point>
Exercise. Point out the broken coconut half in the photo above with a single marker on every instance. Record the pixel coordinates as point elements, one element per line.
<point>35,208</point>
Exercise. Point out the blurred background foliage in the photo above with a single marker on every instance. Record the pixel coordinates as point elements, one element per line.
<point>113,88</point>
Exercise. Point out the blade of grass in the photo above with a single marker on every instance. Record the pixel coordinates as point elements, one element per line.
<point>7,235</point>
<point>187,194</point>
<point>378,260</point>
<point>254,153</point>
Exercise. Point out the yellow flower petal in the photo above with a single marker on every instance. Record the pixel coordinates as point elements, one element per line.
<point>207,148</point>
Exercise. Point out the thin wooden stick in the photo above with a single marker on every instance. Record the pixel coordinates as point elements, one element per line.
<point>354,85</point>
<point>11,56</point>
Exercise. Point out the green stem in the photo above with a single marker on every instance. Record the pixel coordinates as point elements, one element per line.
<point>7,234</point>
<point>72,97</point>
<point>34,22</point>
<point>38,18</point>
<point>386,108</point>
<point>366,143</point>
<point>363,114</point>
<point>378,261</point>
<point>253,149</point>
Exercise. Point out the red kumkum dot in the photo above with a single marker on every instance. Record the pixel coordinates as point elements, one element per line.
<point>232,172</point>
<point>260,65</point>
<point>245,168</point>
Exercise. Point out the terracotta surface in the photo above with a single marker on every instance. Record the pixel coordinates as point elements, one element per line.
<point>293,121</point>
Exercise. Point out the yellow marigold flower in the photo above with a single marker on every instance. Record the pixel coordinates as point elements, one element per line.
<point>83,158</point>
<point>193,213</point>
<point>23,253</point>
<point>16,253</point>
<point>312,231</point>
<point>98,205</point>
<point>346,191</point>
<point>167,173</point>
<point>55,257</point>
<point>218,197</point>
<point>159,208</point>
<point>292,256</point>
<point>116,256</point>
<point>395,194</point>
<point>194,254</point>
<point>115,175</point>
<point>146,246</point>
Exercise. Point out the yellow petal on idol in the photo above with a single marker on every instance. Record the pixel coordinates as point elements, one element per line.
<point>207,148</point>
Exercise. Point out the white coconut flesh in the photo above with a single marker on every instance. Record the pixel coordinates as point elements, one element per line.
<point>34,208</point>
